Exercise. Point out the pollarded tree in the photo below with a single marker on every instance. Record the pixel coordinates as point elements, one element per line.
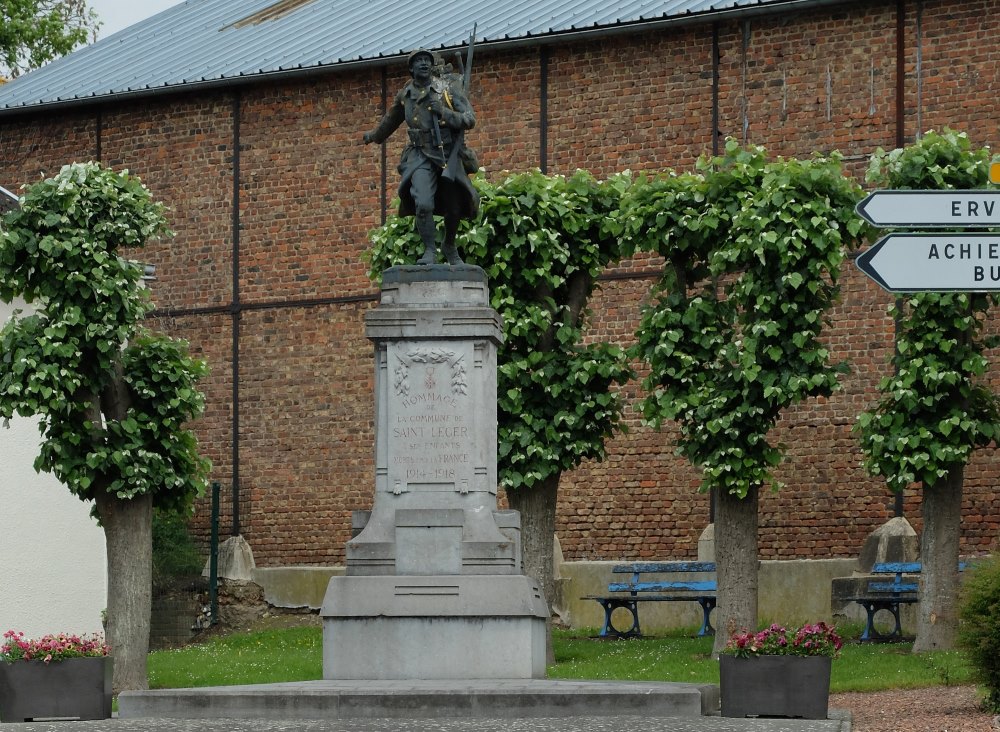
<point>936,409</point>
<point>33,32</point>
<point>112,399</point>
<point>542,241</point>
<point>732,336</point>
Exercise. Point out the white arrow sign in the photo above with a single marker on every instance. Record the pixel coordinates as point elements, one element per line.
<point>934,262</point>
<point>931,208</point>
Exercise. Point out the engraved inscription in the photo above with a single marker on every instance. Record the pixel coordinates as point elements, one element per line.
<point>430,441</point>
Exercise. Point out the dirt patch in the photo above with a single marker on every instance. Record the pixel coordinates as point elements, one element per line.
<point>934,709</point>
<point>242,609</point>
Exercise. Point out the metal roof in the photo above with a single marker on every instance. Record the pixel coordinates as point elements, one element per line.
<point>221,42</point>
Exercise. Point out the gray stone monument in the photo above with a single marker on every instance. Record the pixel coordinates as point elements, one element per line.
<point>434,587</point>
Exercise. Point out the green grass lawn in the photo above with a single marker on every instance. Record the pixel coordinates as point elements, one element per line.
<point>289,654</point>
<point>861,667</point>
<point>295,654</point>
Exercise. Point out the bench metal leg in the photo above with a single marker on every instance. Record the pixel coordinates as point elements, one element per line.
<point>707,606</point>
<point>874,606</point>
<point>610,605</point>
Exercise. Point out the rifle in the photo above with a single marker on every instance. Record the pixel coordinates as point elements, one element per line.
<point>465,68</point>
<point>453,167</point>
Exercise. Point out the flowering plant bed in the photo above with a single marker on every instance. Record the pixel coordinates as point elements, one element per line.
<point>51,647</point>
<point>54,677</point>
<point>817,639</point>
<point>778,673</point>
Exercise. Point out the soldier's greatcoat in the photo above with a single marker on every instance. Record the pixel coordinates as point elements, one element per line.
<point>413,105</point>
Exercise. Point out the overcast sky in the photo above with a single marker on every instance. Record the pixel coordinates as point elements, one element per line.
<point>118,14</point>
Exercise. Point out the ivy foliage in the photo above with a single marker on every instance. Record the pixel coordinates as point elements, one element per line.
<point>542,241</point>
<point>112,398</point>
<point>753,250</point>
<point>936,409</point>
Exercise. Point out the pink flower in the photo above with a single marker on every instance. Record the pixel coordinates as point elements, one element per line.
<point>50,647</point>
<point>818,639</point>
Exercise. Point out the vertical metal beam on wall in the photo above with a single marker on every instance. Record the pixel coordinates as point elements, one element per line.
<point>715,88</point>
<point>900,141</point>
<point>384,182</point>
<point>919,70</point>
<point>713,493</point>
<point>235,312</point>
<point>745,27</point>
<point>543,110</point>
<point>900,72</point>
<point>98,134</point>
<point>213,556</point>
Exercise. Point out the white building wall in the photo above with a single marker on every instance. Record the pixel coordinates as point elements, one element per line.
<point>53,563</point>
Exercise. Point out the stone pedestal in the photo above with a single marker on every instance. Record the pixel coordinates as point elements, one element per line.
<point>434,586</point>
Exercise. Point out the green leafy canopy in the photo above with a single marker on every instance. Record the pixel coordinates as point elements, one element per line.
<point>732,335</point>
<point>542,241</point>
<point>936,409</point>
<point>112,398</point>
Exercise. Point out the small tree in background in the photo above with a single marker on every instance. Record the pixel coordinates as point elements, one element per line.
<point>936,409</point>
<point>732,335</point>
<point>542,241</point>
<point>33,32</point>
<point>112,399</point>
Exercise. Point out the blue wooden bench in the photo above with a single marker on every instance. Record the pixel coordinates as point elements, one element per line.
<point>888,596</point>
<point>641,588</point>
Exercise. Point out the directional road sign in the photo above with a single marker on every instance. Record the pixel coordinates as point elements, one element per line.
<point>931,208</point>
<point>934,262</point>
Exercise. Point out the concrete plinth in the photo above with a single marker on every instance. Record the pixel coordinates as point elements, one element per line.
<point>433,627</point>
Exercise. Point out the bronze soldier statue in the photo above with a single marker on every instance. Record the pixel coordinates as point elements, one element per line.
<point>435,165</point>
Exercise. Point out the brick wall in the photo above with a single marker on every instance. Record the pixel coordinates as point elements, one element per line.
<point>307,192</point>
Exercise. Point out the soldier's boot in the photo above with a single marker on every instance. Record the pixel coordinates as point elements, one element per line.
<point>449,249</point>
<point>429,256</point>
<point>425,227</point>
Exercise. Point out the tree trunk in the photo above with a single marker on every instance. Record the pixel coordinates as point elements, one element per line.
<point>736,565</point>
<point>937,615</point>
<point>128,534</point>
<point>537,506</point>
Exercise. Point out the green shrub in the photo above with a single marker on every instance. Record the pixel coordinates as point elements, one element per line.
<point>174,551</point>
<point>979,632</point>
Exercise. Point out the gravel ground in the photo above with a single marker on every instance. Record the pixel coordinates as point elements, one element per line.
<point>936,709</point>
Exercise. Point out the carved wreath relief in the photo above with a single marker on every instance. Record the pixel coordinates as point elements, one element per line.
<point>431,357</point>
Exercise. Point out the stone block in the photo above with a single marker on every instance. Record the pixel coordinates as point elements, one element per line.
<point>893,541</point>
<point>478,627</point>
<point>235,560</point>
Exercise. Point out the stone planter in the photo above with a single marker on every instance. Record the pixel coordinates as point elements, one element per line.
<point>775,686</point>
<point>78,688</point>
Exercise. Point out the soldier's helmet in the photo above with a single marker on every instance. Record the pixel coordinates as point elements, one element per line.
<point>421,52</point>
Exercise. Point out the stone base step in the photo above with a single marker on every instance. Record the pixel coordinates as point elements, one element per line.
<point>492,698</point>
